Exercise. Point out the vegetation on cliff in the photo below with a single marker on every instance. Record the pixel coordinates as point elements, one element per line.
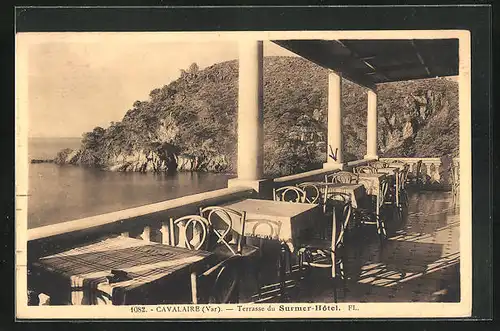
<point>191,123</point>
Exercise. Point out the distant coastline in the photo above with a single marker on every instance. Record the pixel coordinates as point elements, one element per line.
<point>42,161</point>
<point>45,149</point>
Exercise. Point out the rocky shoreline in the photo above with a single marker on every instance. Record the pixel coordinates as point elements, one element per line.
<point>156,161</point>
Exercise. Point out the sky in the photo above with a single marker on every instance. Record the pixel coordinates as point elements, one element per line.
<point>76,84</point>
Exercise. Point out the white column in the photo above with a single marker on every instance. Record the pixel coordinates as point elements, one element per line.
<point>371,126</point>
<point>334,142</point>
<point>250,107</point>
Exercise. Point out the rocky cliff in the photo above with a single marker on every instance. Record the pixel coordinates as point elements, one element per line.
<point>190,124</point>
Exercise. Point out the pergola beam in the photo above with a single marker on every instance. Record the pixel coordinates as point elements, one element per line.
<point>420,58</point>
<point>364,60</point>
<point>320,53</point>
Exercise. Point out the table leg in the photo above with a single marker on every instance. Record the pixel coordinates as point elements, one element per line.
<point>397,188</point>
<point>194,289</point>
<point>377,213</point>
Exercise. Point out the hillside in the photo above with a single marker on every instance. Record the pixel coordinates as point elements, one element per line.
<point>190,124</point>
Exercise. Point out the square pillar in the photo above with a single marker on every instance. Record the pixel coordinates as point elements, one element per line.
<point>372,126</point>
<point>334,140</point>
<point>250,116</point>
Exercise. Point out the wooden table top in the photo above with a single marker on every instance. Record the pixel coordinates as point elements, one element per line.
<point>277,220</point>
<point>377,175</point>
<point>144,262</point>
<point>388,170</point>
<point>271,207</point>
<point>356,191</point>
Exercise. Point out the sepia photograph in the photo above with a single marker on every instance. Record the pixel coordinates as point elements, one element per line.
<point>275,174</point>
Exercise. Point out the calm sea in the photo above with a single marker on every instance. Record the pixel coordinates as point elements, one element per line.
<point>64,193</point>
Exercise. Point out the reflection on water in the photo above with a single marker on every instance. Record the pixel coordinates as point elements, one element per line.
<point>63,193</point>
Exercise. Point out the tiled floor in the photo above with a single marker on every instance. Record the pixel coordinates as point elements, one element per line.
<point>418,263</point>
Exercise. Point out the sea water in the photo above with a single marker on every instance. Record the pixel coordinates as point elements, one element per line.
<point>65,193</point>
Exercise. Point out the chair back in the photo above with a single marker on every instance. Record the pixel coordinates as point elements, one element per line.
<point>384,187</point>
<point>366,169</point>
<point>263,228</point>
<point>403,175</point>
<point>341,212</point>
<point>343,177</point>
<point>227,225</point>
<point>379,164</point>
<point>313,193</point>
<point>396,162</point>
<point>455,174</point>
<point>190,232</point>
<point>219,284</point>
<point>289,194</point>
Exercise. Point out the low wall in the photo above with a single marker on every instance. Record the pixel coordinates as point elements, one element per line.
<point>146,220</point>
<point>307,176</point>
<point>434,174</point>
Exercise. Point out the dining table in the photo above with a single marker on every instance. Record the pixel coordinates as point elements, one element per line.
<point>373,186</point>
<point>103,272</point>
<point>356,191</point>
<point>277,220</point>
<point>280,221</point>
<point>398,165</point>
<point>394,173</point>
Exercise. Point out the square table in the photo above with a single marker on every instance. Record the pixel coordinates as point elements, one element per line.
<point>400,166</point>
<point>280,221</point>
<point>391,171</point>
<point>373,186</point>
<point>394,172</point>
<point>84,269</point>
<point>284,220</point>
<point>355,191</point>
<point>371,182</point>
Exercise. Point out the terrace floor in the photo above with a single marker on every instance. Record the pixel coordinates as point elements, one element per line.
<point>418,263</point>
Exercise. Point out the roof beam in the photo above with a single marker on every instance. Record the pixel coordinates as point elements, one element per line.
<point>364,60</point>
<point>317,52</point>
<point>420,58</point>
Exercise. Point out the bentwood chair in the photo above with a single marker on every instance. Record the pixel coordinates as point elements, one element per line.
<point>366,169</point>
<point>379,164</point>
<point>403,178</point>
<point>227,231</point>
<point>220,283</point>
<point>189,232</point>
<point>227,236</point>
<point>262,230</point>
<point>312,192</point>
<point>290,194</point>
<point>415,177</point>
<point>375,214</point>
<point>329,252</point>
<point>342,177</point>
<point>396,162</point>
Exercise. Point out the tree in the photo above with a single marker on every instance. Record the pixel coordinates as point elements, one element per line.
<point>193,69</point>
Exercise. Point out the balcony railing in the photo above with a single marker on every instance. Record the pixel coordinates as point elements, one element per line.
<point>433,174</point>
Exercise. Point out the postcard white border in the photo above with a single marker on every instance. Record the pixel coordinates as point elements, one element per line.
<point>364,310</point>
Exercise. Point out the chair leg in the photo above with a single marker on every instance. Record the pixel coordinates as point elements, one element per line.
<point>282,271</point>
<point>258,276</point>
<point>381,231</point>
<point>344,277</point>
<point>334,283</point>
